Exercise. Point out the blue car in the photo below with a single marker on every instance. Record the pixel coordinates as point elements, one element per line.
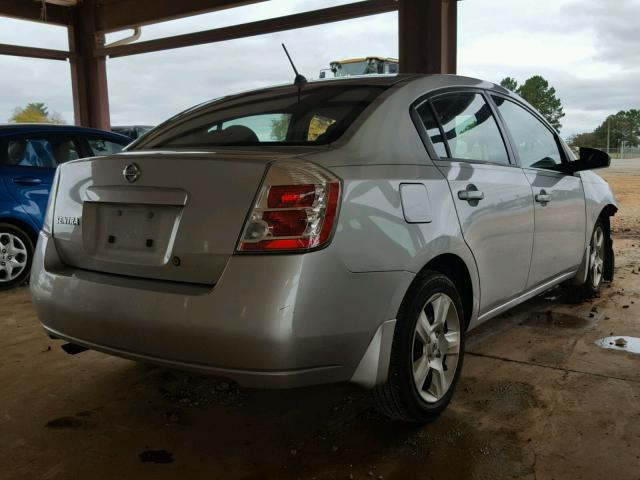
<point>29,155</point>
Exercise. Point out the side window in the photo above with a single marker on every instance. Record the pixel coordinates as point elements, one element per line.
<point>64,151</point>
<point>433,130</point>
<point>469,128</point>
<point>40,152</point>
<point>100,146</point>
<point>535,143</point>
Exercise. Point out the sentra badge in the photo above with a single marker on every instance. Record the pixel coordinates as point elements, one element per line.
<point>68,220</point>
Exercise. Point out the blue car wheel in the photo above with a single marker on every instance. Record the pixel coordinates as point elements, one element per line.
<point>16,253</point>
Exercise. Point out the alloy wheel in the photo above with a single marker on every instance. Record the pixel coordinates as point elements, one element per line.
<point>596,261</point>
<point>13,257</point>
<point>436,348</point>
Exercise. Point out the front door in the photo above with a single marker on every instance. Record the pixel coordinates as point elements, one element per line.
<point>560,218</point>
<point>493,198</point>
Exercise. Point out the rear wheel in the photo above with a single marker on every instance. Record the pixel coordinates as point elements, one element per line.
<point>16,253</point>
<point>427,352</point>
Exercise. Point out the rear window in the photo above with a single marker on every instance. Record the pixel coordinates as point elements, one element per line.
<point>318,116</point>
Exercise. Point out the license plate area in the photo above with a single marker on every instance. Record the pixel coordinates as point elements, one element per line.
<point>133,234</point>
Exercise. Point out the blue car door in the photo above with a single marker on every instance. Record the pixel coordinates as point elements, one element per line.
<point>28,167</point>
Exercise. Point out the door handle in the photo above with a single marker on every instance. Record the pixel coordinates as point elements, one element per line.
<point>26,181</point>
<point>470,195</point>
<point>543,197</point>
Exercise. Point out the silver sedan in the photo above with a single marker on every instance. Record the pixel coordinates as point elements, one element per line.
<point>350,230</point>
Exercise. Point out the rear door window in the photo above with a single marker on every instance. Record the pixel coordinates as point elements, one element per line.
<point>433,129</point>
<point>464,128</point>
<point>40,151</point>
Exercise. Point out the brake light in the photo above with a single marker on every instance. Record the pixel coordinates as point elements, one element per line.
<point>295,210</point>
<point>284,196</point>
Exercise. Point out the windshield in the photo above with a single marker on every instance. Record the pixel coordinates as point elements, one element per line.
<point>320,116</point>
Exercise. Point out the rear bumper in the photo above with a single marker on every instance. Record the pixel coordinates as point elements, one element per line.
<point>271,321</point>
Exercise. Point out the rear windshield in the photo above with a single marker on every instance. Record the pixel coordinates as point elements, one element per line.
<point>318,116</point>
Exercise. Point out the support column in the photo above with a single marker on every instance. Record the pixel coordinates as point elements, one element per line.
<point>428,36</point>
<point>88,72</point>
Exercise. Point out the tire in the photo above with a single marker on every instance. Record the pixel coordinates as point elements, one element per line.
<point>411,395</point>
<point>597,265</point>
<point>16,254</point>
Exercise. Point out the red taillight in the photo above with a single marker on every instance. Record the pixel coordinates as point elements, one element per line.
<point>291,196</point>
<point>286,223</point>
<point>296,216</point>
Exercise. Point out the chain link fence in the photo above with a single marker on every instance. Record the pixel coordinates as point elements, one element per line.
<point>620,153</point>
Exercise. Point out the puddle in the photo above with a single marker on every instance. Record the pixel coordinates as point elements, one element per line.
<point>626,344</point>
<point>65,422</point>
<point>551,319</point>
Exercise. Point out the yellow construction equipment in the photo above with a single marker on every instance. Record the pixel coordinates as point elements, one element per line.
<point>362,66</point>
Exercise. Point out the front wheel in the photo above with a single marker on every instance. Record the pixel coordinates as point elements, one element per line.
<point>427,352</point>
<point>598,259</point>
<point>16,253</point>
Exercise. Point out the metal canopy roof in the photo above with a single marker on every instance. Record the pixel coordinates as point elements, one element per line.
<point>115,14</point>
<point>427,35</point>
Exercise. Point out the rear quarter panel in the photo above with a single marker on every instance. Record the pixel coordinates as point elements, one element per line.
<point>372,234</point>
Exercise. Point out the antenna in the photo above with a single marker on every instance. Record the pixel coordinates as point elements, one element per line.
<point>300,80</point>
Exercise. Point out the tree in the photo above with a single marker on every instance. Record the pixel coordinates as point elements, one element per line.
<point>36,112</point>
<point>624,126</point>
<point>279,127</point>
<point>509,83</point>
<point>587,139</point>
<point>537,92</point>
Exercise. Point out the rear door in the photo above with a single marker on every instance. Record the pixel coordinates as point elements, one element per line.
<point>28,163</point>
<point>560,216</point>
<point>493,198</point>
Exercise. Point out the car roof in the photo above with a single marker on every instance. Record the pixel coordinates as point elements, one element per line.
<point>387,80</point>
<point>22,128</point>
<point>384,80</point>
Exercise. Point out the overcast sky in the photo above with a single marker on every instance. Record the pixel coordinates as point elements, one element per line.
<point>588,49</point>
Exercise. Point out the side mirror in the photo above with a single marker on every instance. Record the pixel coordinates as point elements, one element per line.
<point>590,159</point>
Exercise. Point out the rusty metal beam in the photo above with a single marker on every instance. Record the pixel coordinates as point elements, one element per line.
<point>289,22</point>
<point>428,36</point>
<point>45,53</point>
<point>121,14</point>
<point>88,72</point>
<point>31,10</point>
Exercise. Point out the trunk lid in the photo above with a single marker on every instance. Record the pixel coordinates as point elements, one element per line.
<point>179,220</point>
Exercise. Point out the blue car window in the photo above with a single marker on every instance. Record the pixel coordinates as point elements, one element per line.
<point>65,151</point>
<point>100,146</point>
<point>40,152</point>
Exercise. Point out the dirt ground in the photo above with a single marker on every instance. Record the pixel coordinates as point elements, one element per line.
<point>537,400</point>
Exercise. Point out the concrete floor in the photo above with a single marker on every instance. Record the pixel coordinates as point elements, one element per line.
<point>537,399</point>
